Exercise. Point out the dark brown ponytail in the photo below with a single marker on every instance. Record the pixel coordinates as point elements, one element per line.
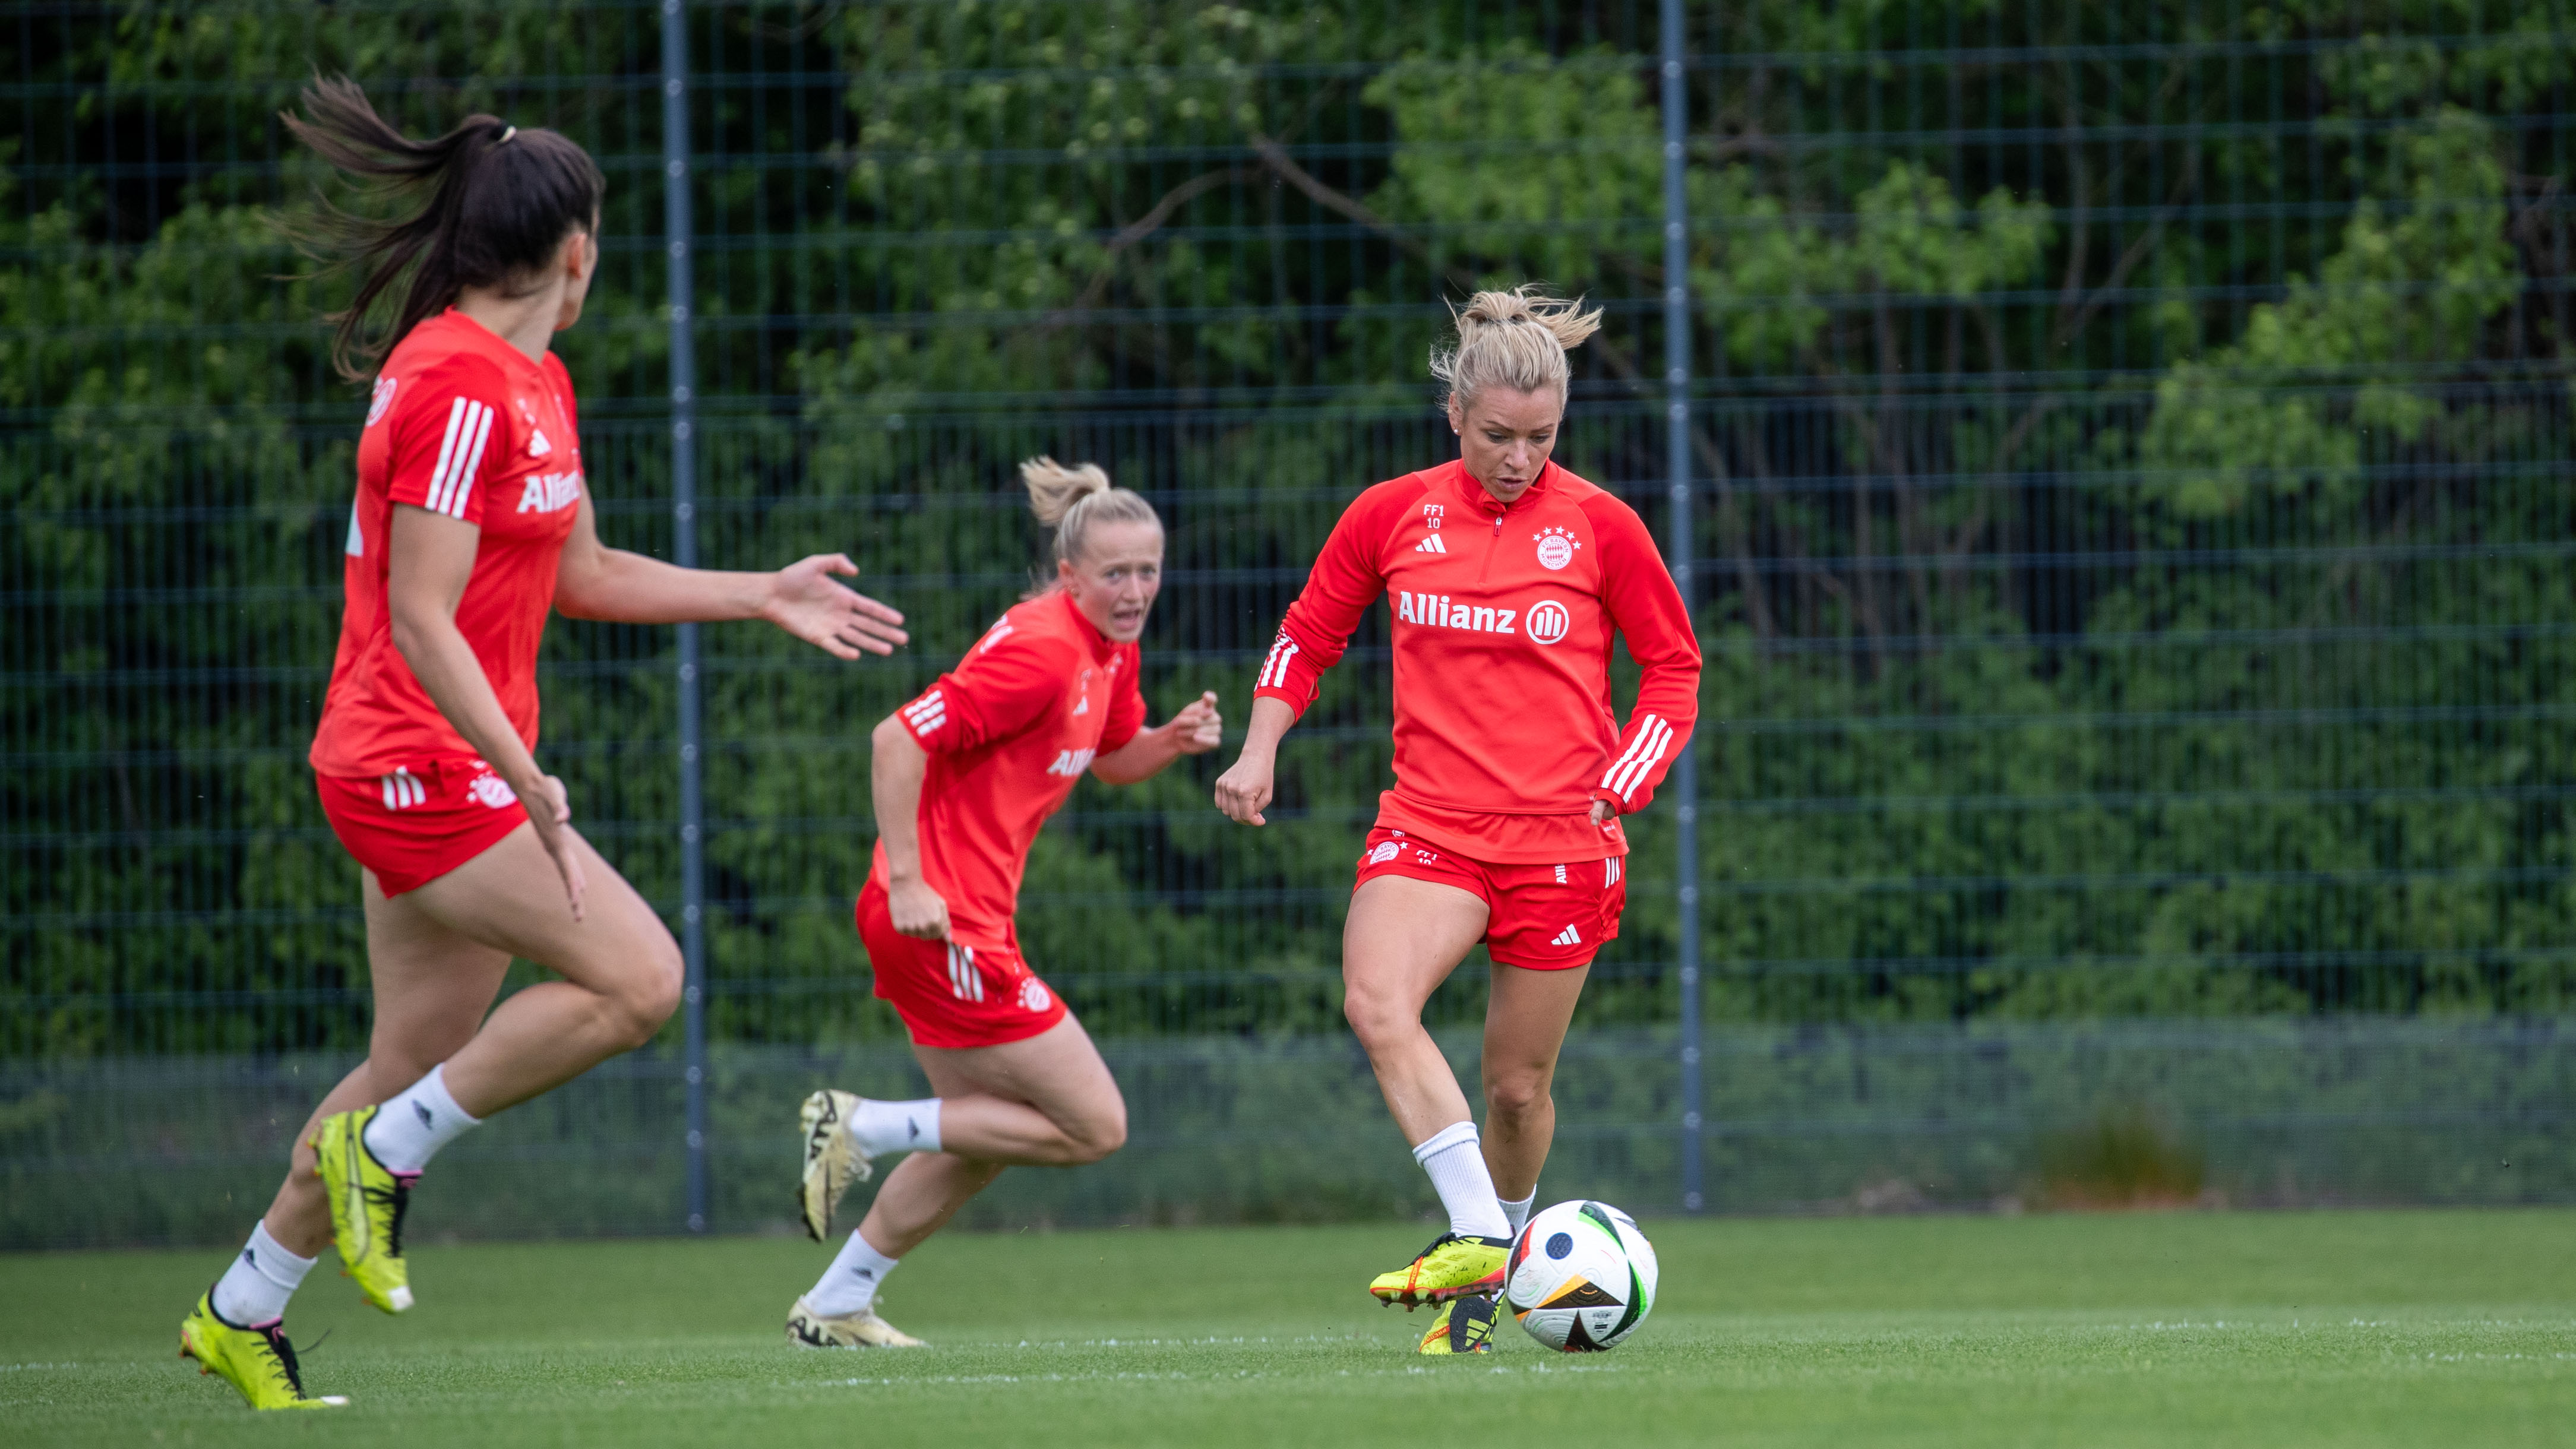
<point>501,200</point>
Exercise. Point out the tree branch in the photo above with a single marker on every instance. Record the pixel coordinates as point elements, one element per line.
<point>1132,233</point>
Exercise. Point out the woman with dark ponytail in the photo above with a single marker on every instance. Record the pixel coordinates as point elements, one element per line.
<point>472,519</point>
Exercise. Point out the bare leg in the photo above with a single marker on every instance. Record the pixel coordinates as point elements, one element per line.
<point>1525,1022</point>
<point>1401,940</point>
<point>431,988</point>
<point>620,968</point>
<point>1047,1101</point>
<point>436,957</point>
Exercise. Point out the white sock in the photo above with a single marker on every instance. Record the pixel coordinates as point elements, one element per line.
<point>882,1127</point>
<point>255,1288</point>
<point>417,1122</point>
<point>1456,1162</point>
<point>1517,1213</point>
<point>850,1284</point>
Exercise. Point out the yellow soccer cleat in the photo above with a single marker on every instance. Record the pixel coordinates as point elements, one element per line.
<point>863,1329</point>
<point>258,1361</point>
<point>1465,1325</point>
<point>832,1160</point>
<point>368,1202</point>
<point>1455,1265</point>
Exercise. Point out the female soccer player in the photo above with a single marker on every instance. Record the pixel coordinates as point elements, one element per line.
<point>472,518</point>
<point>964,776</point>
<point>1508,576</point>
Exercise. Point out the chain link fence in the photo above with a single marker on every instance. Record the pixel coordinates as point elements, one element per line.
<point>2129,462</point>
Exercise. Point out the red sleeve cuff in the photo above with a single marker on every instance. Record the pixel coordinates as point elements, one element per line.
<point>1296,700</point>
<point>1287,675</point>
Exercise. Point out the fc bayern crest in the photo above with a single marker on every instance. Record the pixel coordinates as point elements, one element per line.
<point>1556,548</point>
<point>493,791</point>
<point>383,399</point>
<point>1033,996</point>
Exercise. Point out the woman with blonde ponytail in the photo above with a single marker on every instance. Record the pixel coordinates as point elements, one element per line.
<point>964,775</point>
<point>1507,578</point>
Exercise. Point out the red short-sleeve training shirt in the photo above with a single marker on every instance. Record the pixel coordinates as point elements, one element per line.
<point>463,424</point>
<point>1010,732</point>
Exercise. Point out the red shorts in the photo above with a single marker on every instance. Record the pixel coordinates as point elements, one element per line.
<point>951,995</point>
<point>1540,917</point>
<point>410,829</point>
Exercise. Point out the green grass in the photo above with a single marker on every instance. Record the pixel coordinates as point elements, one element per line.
<point>2356,1328</point>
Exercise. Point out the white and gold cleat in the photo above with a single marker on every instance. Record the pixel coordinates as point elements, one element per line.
<point>863,1329</point>
<point>832,1160</point>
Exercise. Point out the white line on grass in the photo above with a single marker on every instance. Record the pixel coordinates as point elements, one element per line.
<point>1176,1376</point>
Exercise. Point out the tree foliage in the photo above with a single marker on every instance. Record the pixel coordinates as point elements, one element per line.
<point>2132,451</point>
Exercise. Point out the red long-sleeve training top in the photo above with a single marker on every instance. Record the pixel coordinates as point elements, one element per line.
<point>1504,733</point>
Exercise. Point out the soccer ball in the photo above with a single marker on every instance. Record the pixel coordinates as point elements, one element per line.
<point>1581,1277</point>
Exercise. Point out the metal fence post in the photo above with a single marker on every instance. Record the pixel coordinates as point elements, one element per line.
<point>684,552</point>
<point>1677,382</point>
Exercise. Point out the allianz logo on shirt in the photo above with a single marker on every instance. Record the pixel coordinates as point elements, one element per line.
<point>1071,763</point>
<point>1448,613</point>
<point>1547,620</point>
<point>546,492</point>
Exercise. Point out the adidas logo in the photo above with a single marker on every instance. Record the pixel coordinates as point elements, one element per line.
<point>1431,544</point>
<point>926,714</point>
<point>403,789</point>
<point>1568,937</point>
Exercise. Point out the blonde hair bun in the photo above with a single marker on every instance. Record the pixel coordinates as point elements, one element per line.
<point>1070,498</point>
<point>1516,339</point>
<point>1054,488</point>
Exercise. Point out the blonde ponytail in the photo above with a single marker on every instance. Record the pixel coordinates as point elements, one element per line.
<point>1516,339</point>
<point>1071,500</point>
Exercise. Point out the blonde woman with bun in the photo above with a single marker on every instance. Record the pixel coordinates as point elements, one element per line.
<point>965,774</point>
<point>1507,577</point>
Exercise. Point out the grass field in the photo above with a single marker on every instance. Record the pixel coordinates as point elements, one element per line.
<point>2352,1328</point>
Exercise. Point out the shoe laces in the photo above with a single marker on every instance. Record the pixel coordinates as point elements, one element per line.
<point>399,1197</point>
<point>1442,1241</point>
<point>282,1356</point>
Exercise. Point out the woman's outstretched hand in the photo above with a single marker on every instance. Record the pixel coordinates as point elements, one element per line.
<point>806,601</point>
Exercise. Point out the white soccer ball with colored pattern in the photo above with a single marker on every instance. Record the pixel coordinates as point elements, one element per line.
<point>1581,1277</point>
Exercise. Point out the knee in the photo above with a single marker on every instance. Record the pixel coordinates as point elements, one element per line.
<point>1379,1020</point>
<point>1097,1136</point>
<point>646,999</point>
<point>1516,1094</point>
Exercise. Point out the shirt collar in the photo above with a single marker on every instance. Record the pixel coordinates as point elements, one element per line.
<point>511,357</point>
<point>1485,504</point>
